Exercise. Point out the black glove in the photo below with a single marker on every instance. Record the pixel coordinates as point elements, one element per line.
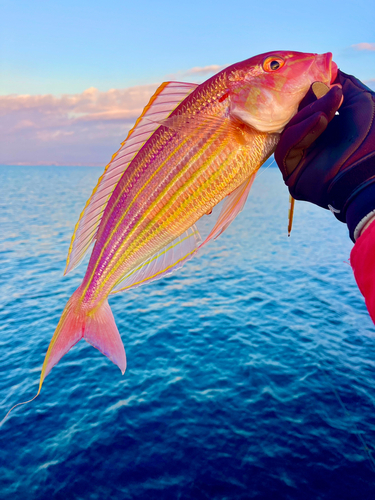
<point>329,159</point>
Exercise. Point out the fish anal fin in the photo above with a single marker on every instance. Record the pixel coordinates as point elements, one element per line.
<point>163,262</point>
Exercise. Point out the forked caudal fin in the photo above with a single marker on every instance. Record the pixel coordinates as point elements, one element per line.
<point>96,326</point>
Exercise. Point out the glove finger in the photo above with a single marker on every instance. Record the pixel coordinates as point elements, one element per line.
<point>328,104</point>
<point>315,92</point>
<point>296,139</point>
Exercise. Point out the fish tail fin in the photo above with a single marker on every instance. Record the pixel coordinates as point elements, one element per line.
<point>97,326</point>
<point>102,333</point>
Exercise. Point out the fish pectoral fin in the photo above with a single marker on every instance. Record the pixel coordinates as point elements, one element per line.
<point>233,205</point>
<point>166,98</point>
<point>163,262</point>
<point>187,123</point>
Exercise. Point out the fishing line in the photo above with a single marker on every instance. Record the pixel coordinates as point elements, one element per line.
<point>357,432</point>
<point>261,170</point>
<point>15,406</point>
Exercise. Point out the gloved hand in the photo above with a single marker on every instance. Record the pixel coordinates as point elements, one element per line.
<point>329,159</point>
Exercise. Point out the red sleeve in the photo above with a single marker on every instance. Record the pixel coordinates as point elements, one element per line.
<point>362,260</point>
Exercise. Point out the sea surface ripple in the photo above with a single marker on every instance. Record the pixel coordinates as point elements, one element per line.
<point>250,371</point>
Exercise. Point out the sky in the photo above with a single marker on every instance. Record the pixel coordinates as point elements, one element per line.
<point>75,75</point>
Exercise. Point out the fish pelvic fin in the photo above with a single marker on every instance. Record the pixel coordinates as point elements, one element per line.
<point>97,326</point>
<point>232,206</point>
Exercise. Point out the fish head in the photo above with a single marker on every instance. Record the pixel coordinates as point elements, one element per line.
<point>265,91</point>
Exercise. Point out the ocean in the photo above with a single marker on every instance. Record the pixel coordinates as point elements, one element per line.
<point>250,371</point>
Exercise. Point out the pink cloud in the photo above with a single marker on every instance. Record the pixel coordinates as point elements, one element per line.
<point>204,70</point>
<point>194,74</point>
<point>364,46</point>
<point>77,129</point>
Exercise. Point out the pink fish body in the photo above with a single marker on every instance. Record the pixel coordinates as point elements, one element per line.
<point>193,146</point>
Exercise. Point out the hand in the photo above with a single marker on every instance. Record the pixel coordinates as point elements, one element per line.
<point>329,159</point>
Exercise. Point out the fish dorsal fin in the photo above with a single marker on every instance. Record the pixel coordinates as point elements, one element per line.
<point>163,262</point>
<point>167,97</point>
<point>233,205</point>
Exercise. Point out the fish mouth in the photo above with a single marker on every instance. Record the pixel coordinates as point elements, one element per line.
<point>332,67</point>
<point>327,67</point>
<point>334,70</point>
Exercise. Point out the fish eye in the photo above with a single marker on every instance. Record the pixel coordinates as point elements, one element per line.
<point>273,64</point>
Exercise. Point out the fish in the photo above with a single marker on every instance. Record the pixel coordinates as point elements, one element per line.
<point>193,146</point>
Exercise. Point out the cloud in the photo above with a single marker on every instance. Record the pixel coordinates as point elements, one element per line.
<point>195,73</point>
<point>198,70</point>
<point>364,46</point>
<point>72,129</point>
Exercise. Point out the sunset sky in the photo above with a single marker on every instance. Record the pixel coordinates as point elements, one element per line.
<point>74,75</point>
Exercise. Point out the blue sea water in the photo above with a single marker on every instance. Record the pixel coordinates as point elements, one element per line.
<point>250,371</point>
